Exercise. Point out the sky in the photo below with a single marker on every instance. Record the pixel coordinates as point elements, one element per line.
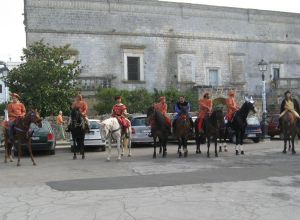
<point>12,34</point>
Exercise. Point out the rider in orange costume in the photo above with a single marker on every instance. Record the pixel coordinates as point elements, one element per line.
<point>232,107</point>
<point>119,111</point>
<point>205,107</point>
<point>16,110</point>
<point>162,107</point>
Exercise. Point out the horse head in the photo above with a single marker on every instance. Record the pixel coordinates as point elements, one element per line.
<point>104,130</point>
<point>249,105</point>
<point>34,117</point>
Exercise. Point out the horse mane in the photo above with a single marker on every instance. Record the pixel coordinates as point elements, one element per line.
<point>158,117</point>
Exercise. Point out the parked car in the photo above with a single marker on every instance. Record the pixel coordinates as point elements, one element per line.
<point>43,139</point>
<point>140,130</point>
<point>93,139</point>
<point>273,122</point>
<point>253,130</point>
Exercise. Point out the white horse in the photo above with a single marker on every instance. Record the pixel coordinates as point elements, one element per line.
<point>111,130</point>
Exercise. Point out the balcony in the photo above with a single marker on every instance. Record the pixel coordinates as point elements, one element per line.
<point>286,83</point>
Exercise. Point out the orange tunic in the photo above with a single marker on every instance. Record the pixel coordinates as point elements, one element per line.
<point>59,120</point>
<point>162,107</point>
<point>15,110</point>
<point>231,107</point>
<point>82,106</point>
<point>205,106</point>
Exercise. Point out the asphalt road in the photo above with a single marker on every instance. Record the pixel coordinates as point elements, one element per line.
<point>262,184</point>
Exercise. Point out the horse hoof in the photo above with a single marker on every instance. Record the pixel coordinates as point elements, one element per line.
<point>18,164</point>
<point>74,157</point>
<point>164,154</point>
<point>108,159</point>
<point>216,155</point>
<point>220,149</point>
<point>34,164</point>
<point>83,157</point>
<point>284,152</point>
<point>119,158</point>
<point>185,154</point>
<point>208,156</point>
<point>180,154</point>
<point>236,152</point>
<point>242,152</point>
<point>129,155</point>
<point>293,152</point>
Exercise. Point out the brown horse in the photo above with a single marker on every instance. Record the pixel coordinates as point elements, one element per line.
<point>289,129</point>
<point>22,134</point>
<point>183,132</point>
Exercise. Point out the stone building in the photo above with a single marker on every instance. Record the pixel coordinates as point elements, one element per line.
<point>153,44</point>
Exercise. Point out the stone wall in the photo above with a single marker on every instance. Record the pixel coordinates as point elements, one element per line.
<point>176,39</point>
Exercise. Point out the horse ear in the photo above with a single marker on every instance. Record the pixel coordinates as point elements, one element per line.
<point>246,99</point>
<point>251,100</point>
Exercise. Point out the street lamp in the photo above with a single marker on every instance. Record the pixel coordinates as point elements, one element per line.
<point>263,66</point>
<point>3,73</point>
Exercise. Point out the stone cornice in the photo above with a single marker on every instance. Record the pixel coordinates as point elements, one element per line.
<point>179,36</point>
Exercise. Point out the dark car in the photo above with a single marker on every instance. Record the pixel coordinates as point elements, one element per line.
<point>43,139</point>
<point>273,128</point>
<point>253,130</point>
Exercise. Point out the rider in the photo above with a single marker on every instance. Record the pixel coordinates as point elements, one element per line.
<point>83,108</point>
<point>182,106</point>
<point>289,104</point>
<point>232,106</point>
<point>205,108</point>
<point>119,111</point>
<point>162,107</point>
<point>16,110</point>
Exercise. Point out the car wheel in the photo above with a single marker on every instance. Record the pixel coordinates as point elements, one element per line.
<point>271,136</point>
<point>256,140</point>
<point>103,148</point>
<point>52,152</point>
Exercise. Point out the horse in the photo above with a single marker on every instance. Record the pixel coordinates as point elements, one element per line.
<point>183,132</point>
<point>289,129</point>
<point>159,129</point>
<point>22,134</point>
<point>213,126</point>
<point>239,123</point>
<point>78,130</point>
<point>110,130</point>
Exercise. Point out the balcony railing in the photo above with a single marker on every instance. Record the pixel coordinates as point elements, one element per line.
<point>287,83</point>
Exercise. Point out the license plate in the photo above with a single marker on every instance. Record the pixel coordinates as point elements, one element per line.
<point>146,131</point>
<point>91,132</point>
<point>251,135</point>
<point>35,138</point>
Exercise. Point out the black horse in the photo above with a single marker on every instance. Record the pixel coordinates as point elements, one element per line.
<point>239,123</point>
<point>78,130</point>
<point>159,130</point>
<point>213,127</point>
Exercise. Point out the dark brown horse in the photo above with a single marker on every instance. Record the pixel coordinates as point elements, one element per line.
<point>213,127</point>
<point>183,132</point>
<point>289,129</point>
<point>22,134</point>
<point>159,130</point>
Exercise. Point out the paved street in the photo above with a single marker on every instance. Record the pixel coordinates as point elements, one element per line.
<point>263,184</point>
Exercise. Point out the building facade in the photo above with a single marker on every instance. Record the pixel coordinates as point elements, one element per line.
<point>151,44</point>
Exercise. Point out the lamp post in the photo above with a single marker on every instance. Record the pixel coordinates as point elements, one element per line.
<point>3,73</point>
<point>263,66</point>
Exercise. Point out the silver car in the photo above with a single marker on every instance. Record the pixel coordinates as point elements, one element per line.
<point>140,130</point>
<point>93,139</point>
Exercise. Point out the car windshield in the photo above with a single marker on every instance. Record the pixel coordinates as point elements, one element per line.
<point>45,127</point>
<point>138,122</point>
<point>94,125</point>
<point>252,121</point>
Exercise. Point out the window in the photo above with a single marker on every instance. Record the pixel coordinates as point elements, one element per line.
<point>133,68</point>
<point>276,73</point>
<point>133,58</point>
<point>0,88</point>
<point>213,75</point>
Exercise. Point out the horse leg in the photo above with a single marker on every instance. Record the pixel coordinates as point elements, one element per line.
<point>6,151</point>
<point>119,148</point>
<point>289,143</point>
<point>208,146</point>
<point>129,146</point>
<point>179,148</point>
<point>154,147</point>
<point>82,148</point>
<point>109,149</point>
<point>197,143</point>
<point>293,145</point>
<point>185,147</point>
<point>19,153</point>
<point>30,152</point>
<point>216,147</point>
<point>236,143</point>
<point>164,145</point>
<point>284,148</point>
<point>74,148</point>
<point>242,142</point>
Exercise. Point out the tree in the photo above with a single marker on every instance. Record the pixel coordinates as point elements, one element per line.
<point>45,81</point>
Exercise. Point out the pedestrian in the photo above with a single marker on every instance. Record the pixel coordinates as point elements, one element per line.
<point>60,122</point>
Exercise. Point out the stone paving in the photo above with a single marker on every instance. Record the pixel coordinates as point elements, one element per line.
<point>263,184</point>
